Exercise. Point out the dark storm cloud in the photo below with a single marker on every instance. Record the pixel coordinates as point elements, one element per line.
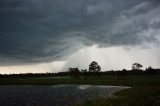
<point>45,30</point>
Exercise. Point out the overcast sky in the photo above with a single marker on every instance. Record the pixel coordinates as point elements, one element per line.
<point>52,35</point>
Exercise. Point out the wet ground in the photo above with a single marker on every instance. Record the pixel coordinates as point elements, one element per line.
<point>58,95</point>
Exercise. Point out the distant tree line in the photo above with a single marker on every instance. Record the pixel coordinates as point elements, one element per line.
<point>25,75</point>
<point>93,71</point>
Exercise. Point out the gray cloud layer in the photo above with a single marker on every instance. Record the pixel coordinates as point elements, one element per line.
<point>45,30</point>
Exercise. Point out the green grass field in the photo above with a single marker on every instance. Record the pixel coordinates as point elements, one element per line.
<point>145,90</point>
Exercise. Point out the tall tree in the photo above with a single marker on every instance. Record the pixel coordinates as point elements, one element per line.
<point>94,67</point>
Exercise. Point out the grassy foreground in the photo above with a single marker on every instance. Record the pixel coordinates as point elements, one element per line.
<point>145,90</point>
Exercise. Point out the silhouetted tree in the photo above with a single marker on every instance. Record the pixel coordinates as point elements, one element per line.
<point>74,72</point>
<point>94,68</point>
<point>124,70</point>
<point>149,68</point>
<point>136,66</point>
<point>84,73</point>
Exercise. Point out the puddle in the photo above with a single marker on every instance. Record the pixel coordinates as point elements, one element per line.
<point>57,95</point>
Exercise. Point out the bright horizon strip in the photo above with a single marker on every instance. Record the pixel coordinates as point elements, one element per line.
<point>35,68</point>
<point>109,58</point>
